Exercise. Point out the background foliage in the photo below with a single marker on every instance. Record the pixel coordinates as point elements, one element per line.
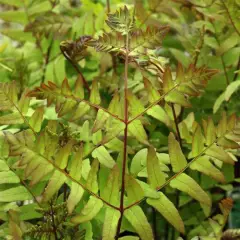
<point>119,120</point>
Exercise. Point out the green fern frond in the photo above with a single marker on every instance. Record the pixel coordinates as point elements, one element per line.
<point>109,43</point>
<point>121,21</point>
<point>49,23</point>
<point>151,38</point>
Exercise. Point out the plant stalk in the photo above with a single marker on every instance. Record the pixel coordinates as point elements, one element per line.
<point>125,138</point>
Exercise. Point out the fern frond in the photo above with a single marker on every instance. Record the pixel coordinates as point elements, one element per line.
<point>12,107</point>
<point>50,22</point>
<point>149,39</point>
<point>121,21</point>
<point>109,43</point>
<point>70,102</point>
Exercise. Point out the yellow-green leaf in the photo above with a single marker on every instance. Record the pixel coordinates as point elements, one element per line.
<point>100,120</point>
<point>76,165</point>
<point>61,158</point>
<point>92,180</point>
<point>55,182</point>
<point>111,191</point>
<point>137,130</point>
<point>89,211</point>
<point>219,153</point>
<point>133,188</point>
<point>110,224</point>
<point>159,113</point>
<point>8,177</point>
<point>95,96</point>
<point>203,164</point>
<point>156,177</point>
<point>188,185</point>
<point>75,196</point>
<point>19,193</point>
<point>138,220</point>
<point>36,119</point>
<point>168,210</point>
<point>177,158</point>
<point>197,142</point>
<point>103,156</point>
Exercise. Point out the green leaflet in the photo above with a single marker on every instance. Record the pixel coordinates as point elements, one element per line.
<point>3,166</point>
<point>8,177</point>
<point>177,97</point>
<point>14,227</point>
<point>36,119</point>
<point>114,106</point>
<point>218,102</point>
<point>134,189</point>
<point>231,88</point>
<point>139,162</point>
<point>156,178</point>
<point>100,120</point>
<point>148,191</point>
<point>138,220</point>
<point>168,210</point>
<point>75,196</point>
<point>92,180</point>
<point>89,211</point>
<point>110,224</point>
<point>19,193</point>
<point>135,106</point>
<point>14,16</point>
<point>16,3</point>
<point>136,165</point>
<point>76,165</point>
<point>210,131</point>
<point>177,158</point>
<point>95,96</point>
<point>219,153</point>
<point>103,156</point>
<point>197,142</point>
<point>11,118</point>
<point>81,110</point>
<point>186,184</point>
<point>153,94</point>
<point>129,238</point>
<point>204,165</point>
<point>78,88</point>
<point>55,182</point>
<point>111,190</point>
<point>159,113</point>
<point>61,158</point>
<point>66,107</point>
<point>137,130</point>
<point>113,130</point>
<point>222,125</point>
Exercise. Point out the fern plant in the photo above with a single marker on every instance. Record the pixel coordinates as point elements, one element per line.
<point>94,164</point>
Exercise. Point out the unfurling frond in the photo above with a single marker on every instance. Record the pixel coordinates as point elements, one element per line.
<point>121,21</point>
<point>75,50</point>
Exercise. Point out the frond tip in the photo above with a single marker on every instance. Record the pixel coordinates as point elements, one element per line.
<point>121,21</point>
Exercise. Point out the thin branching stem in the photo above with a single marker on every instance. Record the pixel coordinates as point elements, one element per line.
<point>230,17</point>
<point>221,57</point>
<point>47,56</point>
<point>74,64</point>
<point>125,138</point>
<point>176,124</point>
<point>53,221</point>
